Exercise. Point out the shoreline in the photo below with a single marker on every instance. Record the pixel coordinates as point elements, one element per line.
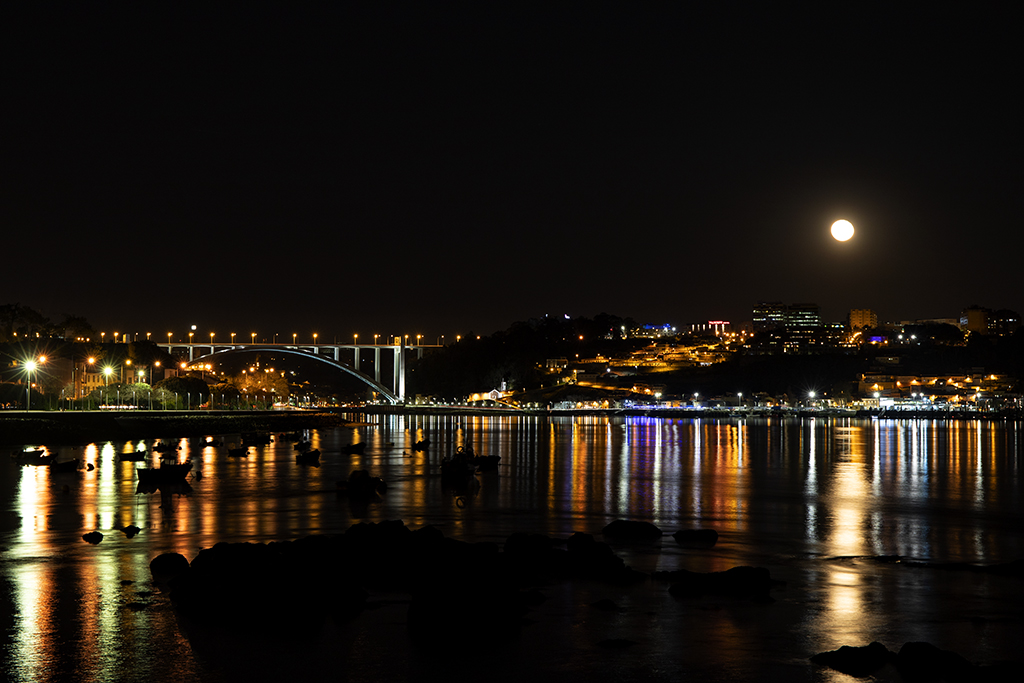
<point>74,427</point>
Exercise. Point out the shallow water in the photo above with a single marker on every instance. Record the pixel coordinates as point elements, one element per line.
<point>815,501</point>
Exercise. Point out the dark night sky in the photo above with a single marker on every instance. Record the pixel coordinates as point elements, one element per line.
<point>441,168</point>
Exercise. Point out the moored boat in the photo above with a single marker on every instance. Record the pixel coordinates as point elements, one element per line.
<point>458,470</point>
<point>308,457</point>
<point>66,466</point>
<point>37,456</point>
<point>167,473</point>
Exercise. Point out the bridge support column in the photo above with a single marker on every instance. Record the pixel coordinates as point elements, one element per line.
<point>191,353</point>
<point>400,372</point>
<point>356,354</point>
<point>376,365</point>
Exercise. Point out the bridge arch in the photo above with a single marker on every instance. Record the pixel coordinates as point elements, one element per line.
<point>375,385</point>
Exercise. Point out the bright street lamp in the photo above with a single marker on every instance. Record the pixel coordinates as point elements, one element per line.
<point>30,367</point>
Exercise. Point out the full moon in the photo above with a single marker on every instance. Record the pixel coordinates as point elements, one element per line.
<point>842,230</point>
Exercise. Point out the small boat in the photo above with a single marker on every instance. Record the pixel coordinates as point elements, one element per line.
<point>134,456</point>
<point>240,452</point>
<point>361,485</point>
<point>302,445</point>
<point>421,445</point>
<point>34,457</point>
<point>458,470</point>
<point>161,447</point>
<point>167,473</point>
<point>66,466</point>
<point>354,448</point>
<point>482,463</point>
<point>308,457</point>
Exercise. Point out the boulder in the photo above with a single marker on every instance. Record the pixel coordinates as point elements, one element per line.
<point>93,537</point>
<point>592,559</point>
<point>855,661</point>
<point>167,566</point>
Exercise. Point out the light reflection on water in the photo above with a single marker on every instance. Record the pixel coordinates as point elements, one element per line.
<point>811,499</point>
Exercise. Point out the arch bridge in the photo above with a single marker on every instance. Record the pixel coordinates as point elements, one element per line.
<point>329,354</point>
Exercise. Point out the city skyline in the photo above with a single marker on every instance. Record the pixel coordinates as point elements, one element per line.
<point>397,169</point>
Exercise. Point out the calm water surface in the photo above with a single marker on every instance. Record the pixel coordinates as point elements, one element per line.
<point>817,501</point>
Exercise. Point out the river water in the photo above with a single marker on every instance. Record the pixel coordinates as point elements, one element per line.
<point>816,501</point>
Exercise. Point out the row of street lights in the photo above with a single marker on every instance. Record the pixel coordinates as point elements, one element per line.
<point>295,338</point>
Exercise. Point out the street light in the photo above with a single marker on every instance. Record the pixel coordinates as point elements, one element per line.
<point>294,337</point>
<point>375,339</point>
<point>314,338</point>
<point>232,338</point>
<point>355,339</point>
<point>253,335</point>
<point>30,367</point>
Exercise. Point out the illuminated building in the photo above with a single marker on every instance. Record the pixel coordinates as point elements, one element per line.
<point>769,315</point>
<point>861,318</point>
<point>803,316</point>
<point>974,319</point>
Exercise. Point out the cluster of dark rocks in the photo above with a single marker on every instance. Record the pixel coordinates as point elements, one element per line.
<point>915,662</point>
<point>294,587</point>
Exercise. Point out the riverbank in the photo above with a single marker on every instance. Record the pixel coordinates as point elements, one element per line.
<point>695,413</point>
<point>74,427</point>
